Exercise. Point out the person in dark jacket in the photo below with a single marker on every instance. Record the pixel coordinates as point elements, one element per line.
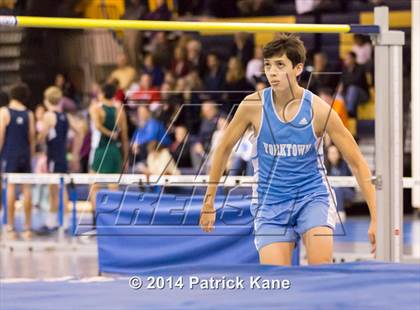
<point>353,86</point>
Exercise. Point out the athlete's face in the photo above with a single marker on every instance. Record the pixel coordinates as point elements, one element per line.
<point>280,72</point>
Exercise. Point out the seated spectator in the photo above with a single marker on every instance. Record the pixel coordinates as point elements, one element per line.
<point>243,47</point>
<point>241,163</point>
<point>170,79</point>
<point>215,77</point>
<point>201,146</point>
<point>320,76</point>
<point>353,86</point>
<point>154,71</point>
<point>236,86</point>
<point>161,49</point>
<point>195,57</point>
<point>336,103</point>
<point>149,129</point>
<point>336,166</point>
<point>180,148</point>
<point>179,65</point>
<point>145,91</point>
<point>222,123</point>
<point>124,73</point>
<point>254,68</point>
<point>160,12</point>
<point>363,49</point>
<point>160,162</point>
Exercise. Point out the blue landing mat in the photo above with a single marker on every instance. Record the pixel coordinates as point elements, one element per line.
<point>343,286</point>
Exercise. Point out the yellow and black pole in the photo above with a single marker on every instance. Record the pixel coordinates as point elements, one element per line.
<point>83,23</point>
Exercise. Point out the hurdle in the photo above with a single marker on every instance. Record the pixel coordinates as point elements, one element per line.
<point>388,76</point>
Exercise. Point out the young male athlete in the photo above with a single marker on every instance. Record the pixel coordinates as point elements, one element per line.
<point>17,146</point>
<point>112,149</point>
<point>292,197</point>
<point>55,126</point>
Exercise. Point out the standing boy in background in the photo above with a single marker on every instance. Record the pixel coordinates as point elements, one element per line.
<point>55,126</point>
<point>17,146</point>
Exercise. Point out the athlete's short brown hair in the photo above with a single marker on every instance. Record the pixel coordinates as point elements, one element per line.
<point>286,44</point>
<point>20,92</point>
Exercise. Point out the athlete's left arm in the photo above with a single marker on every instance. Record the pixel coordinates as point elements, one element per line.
<point>327,119</point>
<point>79,129</point>
<point>32,133</point>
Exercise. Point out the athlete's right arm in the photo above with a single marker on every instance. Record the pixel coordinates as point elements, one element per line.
<point>95,115</point>
<point>233,133</point>
<point>47,121</point>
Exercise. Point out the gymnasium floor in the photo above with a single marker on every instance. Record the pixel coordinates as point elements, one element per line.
<point>66,278</point>
<point>83,262</point>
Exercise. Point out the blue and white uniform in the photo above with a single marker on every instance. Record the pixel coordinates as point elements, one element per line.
<point>290,195</point>
<point>16,154</point>
<point>57,144</point>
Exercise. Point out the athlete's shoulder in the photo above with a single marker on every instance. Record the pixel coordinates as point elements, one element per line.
<point>324,115</point>
<point>319,105</point>
<point>253,99</point>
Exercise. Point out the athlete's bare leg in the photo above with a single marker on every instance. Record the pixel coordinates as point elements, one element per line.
<point>11,199</point>
<point>278,253</point>
<point>27,206</point>
<point>319,245</point>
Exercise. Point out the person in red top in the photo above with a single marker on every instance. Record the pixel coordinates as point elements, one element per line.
<point>147,92</point>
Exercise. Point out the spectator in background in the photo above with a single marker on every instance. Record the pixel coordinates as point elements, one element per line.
<point>307,6</point>
<point>154,71</point>
<point>353,86</point>
<point>243,47</point>
<point>222,123</point>
<point>124,73</point>
<point>320,76</point>
<point>67,88</point>
<point>337,104</point>
<point>161,49</point>
<point>135,10</point>
<point>254,68</point>
<point>236,86</point>
<point>17,147</point>
<point>260,85</point>
<point>215,77</point>
<point>242,155</point>
<point>179,65</point>
<point>336,166</point>
<point>161,12</point>
<point>195,58</point>
<point>363,49</point>
<point>145,91</point>
<point>180,148</point>
<point>149,129</point>
<point>170,80</point>
<point>160,161</point>
<point>201,145</point>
